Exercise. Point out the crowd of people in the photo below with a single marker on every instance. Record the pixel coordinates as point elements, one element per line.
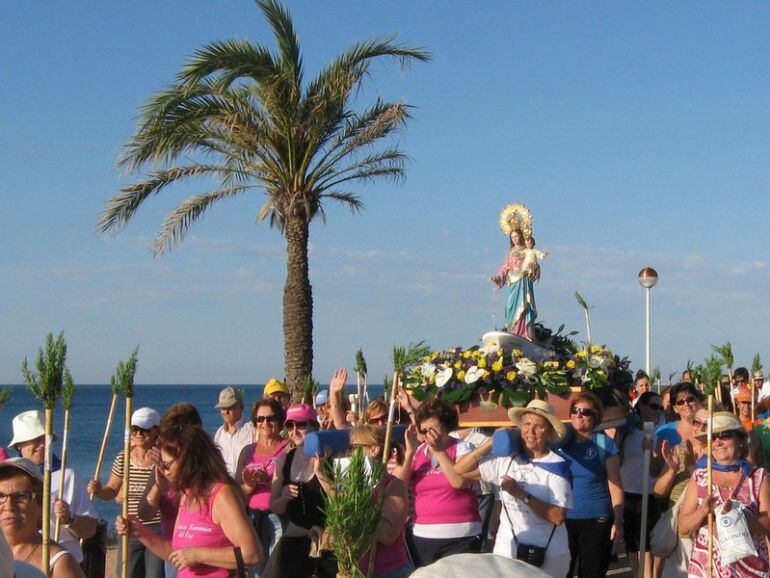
<point>564,496</point>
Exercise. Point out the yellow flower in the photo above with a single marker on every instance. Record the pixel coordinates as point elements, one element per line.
<point>571,364</point>
<point>461,375</point>
<point>458,365</point>
<point>516,353</point>
<point>501,352</point>
<point>596,349</point>
<point>581,354</point>
<point>482,362</point>
<point>486,374</point>
<point>510,376</point>
<point>497,366</point>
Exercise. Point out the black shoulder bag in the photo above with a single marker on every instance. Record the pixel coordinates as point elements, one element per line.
<point>532,555</point>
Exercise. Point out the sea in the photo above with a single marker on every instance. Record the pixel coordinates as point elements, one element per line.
<point>88,418</point>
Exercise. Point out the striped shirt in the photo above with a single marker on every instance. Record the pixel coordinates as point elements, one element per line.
<point>137,483</point>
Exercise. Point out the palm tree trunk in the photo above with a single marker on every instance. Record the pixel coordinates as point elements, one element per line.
<point>297,307</point>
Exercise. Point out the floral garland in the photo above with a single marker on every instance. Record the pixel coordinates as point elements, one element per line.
<point>511,379</point>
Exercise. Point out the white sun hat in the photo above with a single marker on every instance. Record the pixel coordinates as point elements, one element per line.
<point>541,408</point>
<point>27,426</point>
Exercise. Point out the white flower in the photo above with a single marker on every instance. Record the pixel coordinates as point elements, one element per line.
<point>473,375</point>
<point>427,369</point>
<point>597,361</point>
<point>487,350</point>
<point>443,375</point>
<point>526,367</point>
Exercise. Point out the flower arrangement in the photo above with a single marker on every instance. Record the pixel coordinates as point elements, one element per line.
<point>509,378</point>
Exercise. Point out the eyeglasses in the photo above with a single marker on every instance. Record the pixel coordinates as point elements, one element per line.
<point>688,400</point>
<point>582,411</point>
<point>296,424</point>
<point>17,497</point>
<point>724,435</point>
<point>135,429</point>
<point>699,423</point>
<point>166,465</point>
<point>264,418</point>
<point>423,432</point>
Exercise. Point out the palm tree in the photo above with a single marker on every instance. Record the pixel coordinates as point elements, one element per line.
<point>243,115</point>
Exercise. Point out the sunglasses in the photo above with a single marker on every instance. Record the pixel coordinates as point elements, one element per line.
<point>166,465</point>
<point>724,435</point>
<point>425,431</point>
<point>688,400</point>
<point>378,420</point>
<point>296,425</point>
<point>699,423</point>
<point>135,429</point>
<point>264,418</point>
<point>582,411</point>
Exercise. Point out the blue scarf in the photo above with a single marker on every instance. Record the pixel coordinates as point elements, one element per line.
<point>742,465</point>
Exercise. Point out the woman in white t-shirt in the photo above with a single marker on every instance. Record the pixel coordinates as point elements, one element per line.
<point>534,488</point>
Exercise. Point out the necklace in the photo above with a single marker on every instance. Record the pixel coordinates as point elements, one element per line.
<point>32,552</point>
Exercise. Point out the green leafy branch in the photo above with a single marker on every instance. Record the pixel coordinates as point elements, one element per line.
<point>123,380</point>
<point>46,384</point>
<point>360,363</point>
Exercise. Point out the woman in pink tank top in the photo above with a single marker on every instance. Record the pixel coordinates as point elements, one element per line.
<point>212,522</point>
<point>256,466</point>
<point>392,554</point>
<point>446,517</point>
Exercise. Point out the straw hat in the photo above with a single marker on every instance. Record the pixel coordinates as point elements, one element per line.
<point>723,421</point>
<point>541,408</point>
<point>758,375</point>
<point>27,426</point>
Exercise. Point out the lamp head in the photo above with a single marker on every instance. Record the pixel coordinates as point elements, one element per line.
<point>648,277</point>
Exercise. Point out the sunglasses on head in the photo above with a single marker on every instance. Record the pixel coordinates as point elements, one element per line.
<point>296,424</point>
<point>688,400</point>
<point>582,411</point>
<point>264,418</point>
<point>724,435</point>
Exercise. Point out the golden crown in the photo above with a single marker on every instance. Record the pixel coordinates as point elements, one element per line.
<point>516,217</point>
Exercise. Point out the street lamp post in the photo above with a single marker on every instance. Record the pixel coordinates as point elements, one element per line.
<point>648,277</point>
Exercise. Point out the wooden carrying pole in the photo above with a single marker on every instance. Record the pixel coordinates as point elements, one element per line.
<point>645,495</point>
<point>385,459</point>
<point>126,482</point>
<point>65,435</point>
<point>106,435</point>
<point>359,399</point>
<point>47,492</point>
<point>709,434</point>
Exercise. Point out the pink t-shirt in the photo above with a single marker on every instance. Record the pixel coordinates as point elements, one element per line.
<point>435,500</point>
<point>196,528</point>
<point>3,455</point>
<point>389,556</point>
<point>260,498</point>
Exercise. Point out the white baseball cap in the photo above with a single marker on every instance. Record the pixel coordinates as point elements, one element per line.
<point>145,418</point>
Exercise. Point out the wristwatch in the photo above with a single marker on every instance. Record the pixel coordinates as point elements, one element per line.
<point>527,499</point>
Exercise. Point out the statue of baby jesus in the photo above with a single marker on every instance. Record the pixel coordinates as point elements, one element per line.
<point>530,266</point>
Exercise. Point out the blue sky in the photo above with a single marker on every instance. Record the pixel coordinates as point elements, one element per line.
<point>638,134</point>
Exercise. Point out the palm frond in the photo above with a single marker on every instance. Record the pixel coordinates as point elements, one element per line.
<point>350,200</point>
<point>756,364</point>
<point>390,163</point>
<point>179,220</point>
<point>405,358</point>
<point>725,353</point>
<point>286,38</point>
<point>121,209</point>
<point>655,377</point>
<point>233,59</point>
<point>581,301</point>
<point>5,396</point>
